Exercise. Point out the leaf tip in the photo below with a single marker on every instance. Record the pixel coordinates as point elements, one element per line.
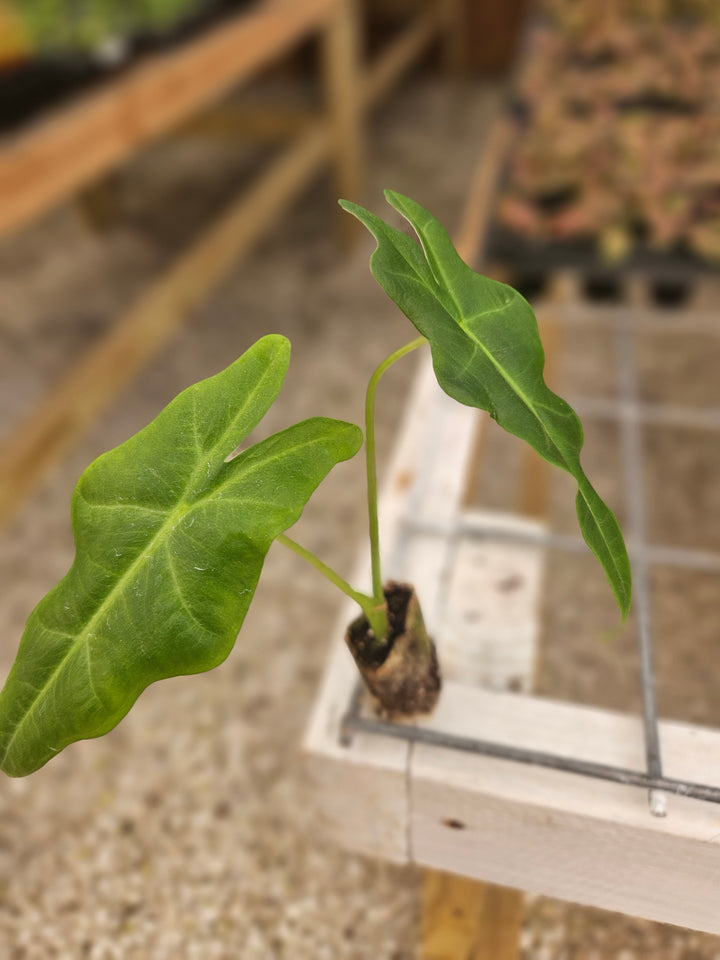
<point>625,603</point>
<point>394,198</point>
<point>278,341</point>
<point>405,206</point>
<point>355,438</point>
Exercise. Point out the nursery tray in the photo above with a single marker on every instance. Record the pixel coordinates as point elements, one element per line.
<point>525,256</point>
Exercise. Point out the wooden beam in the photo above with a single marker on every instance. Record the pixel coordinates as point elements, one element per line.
<point>454,36</point>
<point>451,918</point>
<point>499,925</point>
<point>471,238</point>
<point>63,154</point>
<point>341,47</point>
<point>466,920</point>
<point>235,121</point>
<point>72,147</point>
<point>586,841</point>
<point>90,385</point>
<point>399,55</point>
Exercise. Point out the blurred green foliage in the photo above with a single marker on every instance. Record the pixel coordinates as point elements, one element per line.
<point>85,25</point>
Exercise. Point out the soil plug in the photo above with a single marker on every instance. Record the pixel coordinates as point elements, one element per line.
<point>401,670</point>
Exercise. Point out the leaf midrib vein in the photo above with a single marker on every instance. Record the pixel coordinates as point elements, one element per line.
<point>165,528</point>
<point>461,320</point>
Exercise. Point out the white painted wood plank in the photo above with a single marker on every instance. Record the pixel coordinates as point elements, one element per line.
<point>489,631</point>
<point>564,835</point>
<point>359,791</point>
<point>446,435</point>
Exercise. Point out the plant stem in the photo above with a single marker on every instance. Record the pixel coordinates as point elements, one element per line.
<point>367,604</point>
<point>372,494</point>
<point>373,607</point>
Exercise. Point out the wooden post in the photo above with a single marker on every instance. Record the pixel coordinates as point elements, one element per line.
<point>100,203</point>
<point>90,138</point>
<point>466,920</point>
<point>454,36</point>
<point>341,75</point>
<point>95,380</point>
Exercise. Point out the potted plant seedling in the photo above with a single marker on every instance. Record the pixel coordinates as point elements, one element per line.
<point>172,527</point>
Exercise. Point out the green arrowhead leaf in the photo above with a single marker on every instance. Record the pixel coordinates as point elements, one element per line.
<point>170,541</point>
<point>487,353</point>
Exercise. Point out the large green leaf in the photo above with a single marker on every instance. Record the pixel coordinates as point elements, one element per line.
<point>487,353</point>
<point>170,541</point>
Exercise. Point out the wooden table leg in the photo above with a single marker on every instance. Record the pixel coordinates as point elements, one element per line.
<point>466,920</point>
<point>454,36</point>
<point>100,203</point>
<point>500,924</point>
<point>341,72</point>
<point>108,365</point>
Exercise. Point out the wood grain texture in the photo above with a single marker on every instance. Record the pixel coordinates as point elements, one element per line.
<point>466,920</point>
<point>65,152</point>
<point>560,834</point>
<point>452,916</point>
<point>341,44</point>
<point>88,388</point>
<point>70,150</point>
<point>489,634</point>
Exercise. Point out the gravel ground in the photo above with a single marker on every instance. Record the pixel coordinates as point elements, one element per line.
<point>188,832</point>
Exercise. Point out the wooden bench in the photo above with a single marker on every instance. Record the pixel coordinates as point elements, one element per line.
<point>70,151</point>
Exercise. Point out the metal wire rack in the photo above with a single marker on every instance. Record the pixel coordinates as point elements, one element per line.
<point>631,415</point>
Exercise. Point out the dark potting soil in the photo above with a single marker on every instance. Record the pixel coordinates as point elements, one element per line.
<point>364,645</point>
<point>403,673</point>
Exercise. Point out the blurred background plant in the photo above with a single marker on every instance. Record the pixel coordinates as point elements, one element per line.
<point>621,128</point>
<point>87,26</point>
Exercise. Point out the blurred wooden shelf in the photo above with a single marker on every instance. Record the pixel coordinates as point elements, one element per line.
<point>69,149</point>
<point>67,155</point>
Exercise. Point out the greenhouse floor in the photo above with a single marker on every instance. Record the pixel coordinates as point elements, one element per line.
<point>189,831</point>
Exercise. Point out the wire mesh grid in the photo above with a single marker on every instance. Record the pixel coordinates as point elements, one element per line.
<point>632,416</point>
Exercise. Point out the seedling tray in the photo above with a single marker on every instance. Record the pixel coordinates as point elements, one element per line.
<point>515,249</point>
<point>545,257</point>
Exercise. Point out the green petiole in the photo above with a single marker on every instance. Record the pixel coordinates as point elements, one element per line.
<point>372,606</point>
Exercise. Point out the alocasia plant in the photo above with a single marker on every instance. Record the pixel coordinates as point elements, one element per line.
<point>172,527</point>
